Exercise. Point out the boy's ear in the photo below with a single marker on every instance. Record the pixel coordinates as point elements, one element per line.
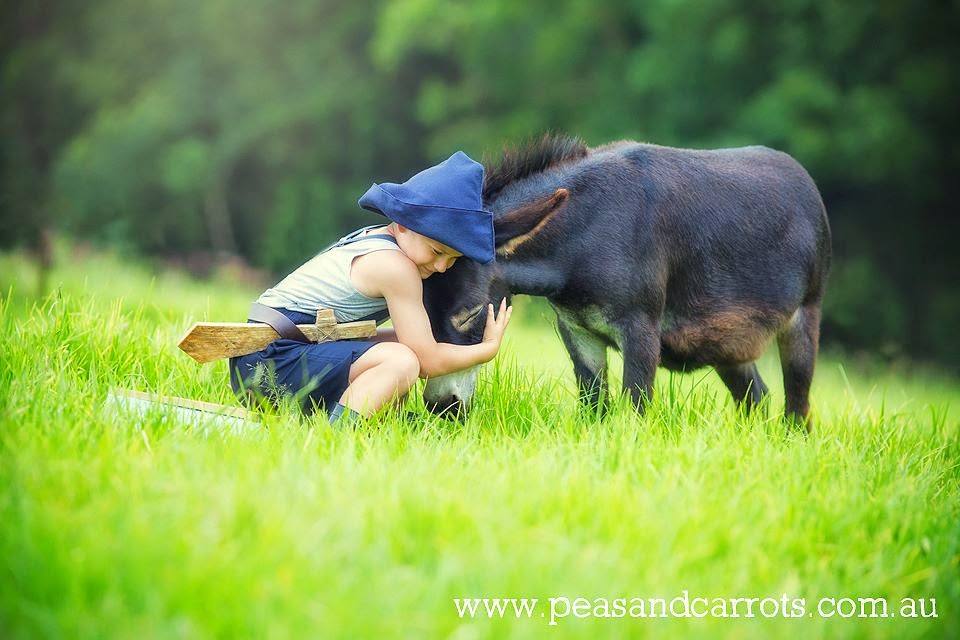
<point>521,225</point>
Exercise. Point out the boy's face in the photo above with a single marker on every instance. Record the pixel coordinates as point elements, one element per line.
<point>429,255</point>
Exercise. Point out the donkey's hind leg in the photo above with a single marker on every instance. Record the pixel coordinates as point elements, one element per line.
<point>744,383</point>
<point>798,343</point>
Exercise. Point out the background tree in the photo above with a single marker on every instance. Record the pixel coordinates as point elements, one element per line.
<point>250,127</point>
<point>38,114</point>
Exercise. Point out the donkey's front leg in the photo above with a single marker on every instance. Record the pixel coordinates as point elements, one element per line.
<point>641,355</point>
<point>589,355</point>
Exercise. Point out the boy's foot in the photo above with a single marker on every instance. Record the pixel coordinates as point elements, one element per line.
<point>343,416</point>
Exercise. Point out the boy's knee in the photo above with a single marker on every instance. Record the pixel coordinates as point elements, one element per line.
<point>410,365</point>
<point>404,362</point>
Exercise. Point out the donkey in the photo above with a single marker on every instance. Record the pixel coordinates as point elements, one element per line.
<point>677,258</point>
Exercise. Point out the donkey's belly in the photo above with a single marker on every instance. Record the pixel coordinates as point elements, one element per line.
<point>732,336</point>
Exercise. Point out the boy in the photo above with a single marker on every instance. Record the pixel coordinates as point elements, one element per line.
<point>436,218</point>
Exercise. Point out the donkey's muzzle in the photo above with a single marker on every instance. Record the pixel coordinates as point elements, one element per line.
<point>450,395</point>
<point>451,407</point>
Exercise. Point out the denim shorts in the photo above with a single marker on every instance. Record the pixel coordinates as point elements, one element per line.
<point>313,375</point>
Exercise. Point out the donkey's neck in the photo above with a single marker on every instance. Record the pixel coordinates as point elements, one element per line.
<point>535,277</point>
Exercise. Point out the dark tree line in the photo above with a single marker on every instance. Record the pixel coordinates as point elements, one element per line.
<point>250,127</point>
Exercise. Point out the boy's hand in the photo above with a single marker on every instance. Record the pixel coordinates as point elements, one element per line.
<point>493,332</point>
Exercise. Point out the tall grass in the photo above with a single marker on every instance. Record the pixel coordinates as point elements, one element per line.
<point>122,525</point>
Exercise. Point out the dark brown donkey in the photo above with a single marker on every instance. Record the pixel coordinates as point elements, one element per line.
<point>678,258</point>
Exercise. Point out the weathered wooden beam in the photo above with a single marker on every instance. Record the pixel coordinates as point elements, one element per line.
<point>209,341</point>
<point>194,412</point>
<point>186,403</point>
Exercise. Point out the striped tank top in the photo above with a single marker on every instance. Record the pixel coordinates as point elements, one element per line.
<point>323,282</point>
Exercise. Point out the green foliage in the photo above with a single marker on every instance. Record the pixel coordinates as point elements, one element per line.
<point>123,525</point>
<point>860,310</point>
<point>251,128</point>
<point>300,223</point>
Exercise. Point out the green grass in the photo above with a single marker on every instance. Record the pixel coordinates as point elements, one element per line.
<point>118,526</point>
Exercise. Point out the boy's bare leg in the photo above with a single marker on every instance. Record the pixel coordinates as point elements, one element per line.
<point>386,371</point>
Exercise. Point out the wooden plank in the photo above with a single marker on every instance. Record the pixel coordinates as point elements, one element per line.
<point>206,418</point>
<point>341,331</point>
<point>209,341</point>
<point>186,403</point>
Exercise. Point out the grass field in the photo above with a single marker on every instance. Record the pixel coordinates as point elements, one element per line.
<point>117,526</point>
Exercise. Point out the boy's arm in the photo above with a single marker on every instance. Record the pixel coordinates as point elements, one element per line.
<point>395,278</point>
<point>386,335</point>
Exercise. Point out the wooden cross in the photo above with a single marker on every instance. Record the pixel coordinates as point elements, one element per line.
<point>209,341</point>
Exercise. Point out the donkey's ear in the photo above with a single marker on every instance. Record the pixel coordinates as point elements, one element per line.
<point>521,225</point>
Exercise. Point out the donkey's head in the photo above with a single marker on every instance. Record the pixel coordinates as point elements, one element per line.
<point>456,301</point>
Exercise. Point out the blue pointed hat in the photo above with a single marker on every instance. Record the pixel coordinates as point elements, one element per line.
<point>444,203</point>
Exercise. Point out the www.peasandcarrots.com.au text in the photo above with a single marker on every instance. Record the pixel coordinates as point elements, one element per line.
<point>686,606</point>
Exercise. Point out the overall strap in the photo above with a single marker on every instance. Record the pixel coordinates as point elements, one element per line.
<point>280,323</point>
<point>357,236</point>
<point>378,316</point>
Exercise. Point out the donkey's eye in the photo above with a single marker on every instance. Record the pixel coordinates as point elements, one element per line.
<point>462,320</point>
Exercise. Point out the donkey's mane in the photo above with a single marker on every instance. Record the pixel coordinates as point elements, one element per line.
<point>532,157</point>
